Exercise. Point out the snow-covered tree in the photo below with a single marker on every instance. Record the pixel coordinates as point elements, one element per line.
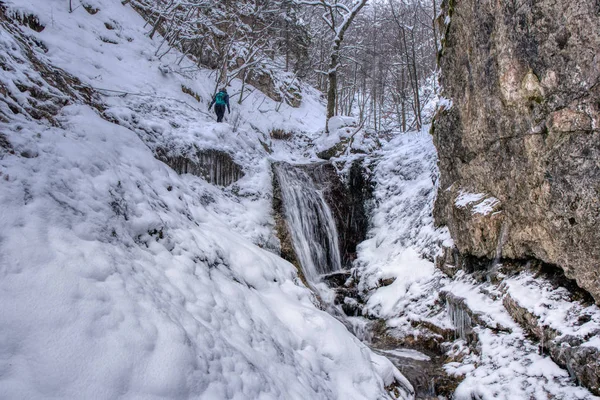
<point>338,16</point>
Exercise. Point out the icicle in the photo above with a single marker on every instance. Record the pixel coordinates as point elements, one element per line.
<point>460,319</point>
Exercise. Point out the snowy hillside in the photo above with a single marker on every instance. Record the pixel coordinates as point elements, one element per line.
<point>118,277</point>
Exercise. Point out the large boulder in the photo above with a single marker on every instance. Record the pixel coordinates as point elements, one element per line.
<point>518,136</point>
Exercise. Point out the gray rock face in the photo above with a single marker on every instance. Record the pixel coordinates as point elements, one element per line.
<point>522,130</point>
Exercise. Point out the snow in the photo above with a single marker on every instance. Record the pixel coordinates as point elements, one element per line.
<point>445,103</point>
<point>555,308</point>
<point>121,279</point>
<point>480,202</point>
<point>402,231</point>
<point>466,198</point>
<point>408,353</point>
<point>486,207</point>
<point>339,122</point>
<point>401,243</point>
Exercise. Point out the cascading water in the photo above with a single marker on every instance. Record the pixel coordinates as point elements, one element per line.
<point>314,235</point>
<point>310,222</point>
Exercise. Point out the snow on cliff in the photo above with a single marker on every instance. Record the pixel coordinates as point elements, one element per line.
<point>400,247</point>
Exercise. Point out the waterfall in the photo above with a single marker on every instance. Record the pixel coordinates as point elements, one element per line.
<point>310,222</point>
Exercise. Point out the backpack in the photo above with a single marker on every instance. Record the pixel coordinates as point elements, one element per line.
<point>220,98</point>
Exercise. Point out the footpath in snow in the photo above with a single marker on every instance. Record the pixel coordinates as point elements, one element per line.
<point>118,277</point>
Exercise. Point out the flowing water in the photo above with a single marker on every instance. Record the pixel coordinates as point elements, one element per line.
<point>315,240</point>
<point>310,222</point>
<point>496,262</point>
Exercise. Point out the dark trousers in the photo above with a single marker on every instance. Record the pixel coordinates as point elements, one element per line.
<point>220,110</point>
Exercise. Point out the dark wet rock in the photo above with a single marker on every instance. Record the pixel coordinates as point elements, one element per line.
<point>347,201</point>
<point>216,166</point>
<point>333,151</point>
<point>428,377</point>
<point>583,363</point>
<point>523,129</point>
<point>351,307</point>
<point>337,279</point>
<point>385,282</point>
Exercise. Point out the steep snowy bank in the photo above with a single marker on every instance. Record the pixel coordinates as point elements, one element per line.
<point>465,318</point>
<point>122,279</point>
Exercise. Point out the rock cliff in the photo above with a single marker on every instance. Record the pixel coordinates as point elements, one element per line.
<point>518,136</point>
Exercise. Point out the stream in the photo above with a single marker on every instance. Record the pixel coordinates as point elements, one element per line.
<point>314,235</point>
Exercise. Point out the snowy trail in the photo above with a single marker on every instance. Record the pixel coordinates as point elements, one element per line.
<point>122,279</point>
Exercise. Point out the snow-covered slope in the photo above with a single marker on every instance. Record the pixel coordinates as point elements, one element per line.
<point>121,279</point>
<point>504,363</point>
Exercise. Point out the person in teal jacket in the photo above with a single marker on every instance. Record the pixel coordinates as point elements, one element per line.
<point>220,100</point>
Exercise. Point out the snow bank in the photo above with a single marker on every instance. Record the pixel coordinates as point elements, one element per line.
<point>121,279</point>
<point>402,240</point>
<point>401,245</point>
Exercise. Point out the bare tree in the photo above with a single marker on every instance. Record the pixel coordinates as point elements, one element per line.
<point>337,17</point>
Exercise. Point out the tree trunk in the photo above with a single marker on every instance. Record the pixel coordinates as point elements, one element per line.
<point>335,55</point>
<point>332,87</point>
<point>417,99</point>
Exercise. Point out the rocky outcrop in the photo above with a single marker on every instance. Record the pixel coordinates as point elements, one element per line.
<point>518,138</point>
<point>31,86</point>
<point>582,362</point>
<point>216,166</point>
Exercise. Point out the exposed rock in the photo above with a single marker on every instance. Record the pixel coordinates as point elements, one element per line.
<point>30,20</point>
<point>337,279</point>
<point>265,83</point>
<point>452,260</point>
<point>191,92</point>
<point>216,166</point>
<point>48,89</point>
<point>280,134</point>
<point>582,362</point>
<point>429,378</point>
<point>333,151</point>
<point>523,129</point>
<point>5,145</point>
<point>90,8</point>
<point>347,202</point>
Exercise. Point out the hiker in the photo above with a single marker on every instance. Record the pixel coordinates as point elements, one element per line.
<point>220,100</point>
